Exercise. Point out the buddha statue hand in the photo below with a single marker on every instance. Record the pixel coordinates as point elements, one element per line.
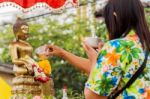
<point>39,74</point>
<point>30,69</point>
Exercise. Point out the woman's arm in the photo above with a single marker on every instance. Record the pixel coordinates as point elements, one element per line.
<point>81,63</point>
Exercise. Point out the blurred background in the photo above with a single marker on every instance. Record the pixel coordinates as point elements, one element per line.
<point>66,29</point>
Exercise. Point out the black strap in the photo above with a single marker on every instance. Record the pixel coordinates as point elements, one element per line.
<point>133,78</point>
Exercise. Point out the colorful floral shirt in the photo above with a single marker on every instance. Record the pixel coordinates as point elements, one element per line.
<point>118,60</point>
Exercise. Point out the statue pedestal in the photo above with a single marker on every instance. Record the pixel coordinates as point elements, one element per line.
<point>48,88</point>
<point>25,87</point>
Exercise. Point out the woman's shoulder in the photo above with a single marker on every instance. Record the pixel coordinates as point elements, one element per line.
<point>128,41</point>
<point>125,47</point>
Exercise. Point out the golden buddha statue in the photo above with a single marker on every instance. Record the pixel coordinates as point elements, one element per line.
<point>27,71</point>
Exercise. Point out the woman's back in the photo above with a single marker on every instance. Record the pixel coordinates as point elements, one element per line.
<point>118,60</point>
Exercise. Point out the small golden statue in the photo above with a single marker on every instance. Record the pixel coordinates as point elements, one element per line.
<point>27,71</point>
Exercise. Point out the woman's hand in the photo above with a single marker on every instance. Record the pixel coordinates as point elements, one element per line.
<point>79,62</point>
<point>91,52</point>
<point>100,45</point>
<point>54,50</point>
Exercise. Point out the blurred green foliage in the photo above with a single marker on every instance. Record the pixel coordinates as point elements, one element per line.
<point>67,35</point>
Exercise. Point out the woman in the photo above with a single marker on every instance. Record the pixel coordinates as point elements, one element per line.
<point>120,57</point>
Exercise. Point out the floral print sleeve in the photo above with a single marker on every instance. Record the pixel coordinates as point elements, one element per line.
<point>117,61</point>
<point>106,74</point>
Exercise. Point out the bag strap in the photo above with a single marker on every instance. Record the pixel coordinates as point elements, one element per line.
<point>133,78</point>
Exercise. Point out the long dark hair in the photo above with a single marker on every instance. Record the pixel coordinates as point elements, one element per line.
<point>123,15</point>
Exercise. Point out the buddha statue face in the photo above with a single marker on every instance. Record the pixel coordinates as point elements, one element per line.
<point>23,32</point>
<point>21,29</point>
<point>24,29</point>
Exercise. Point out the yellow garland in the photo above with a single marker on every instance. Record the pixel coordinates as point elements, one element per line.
<point>46,66</point>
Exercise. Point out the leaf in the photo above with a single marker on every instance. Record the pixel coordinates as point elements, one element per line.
<point>98,82</point>
<point>130,43</point>
<point>119,49</point>
<point>123,56</point>
<point>123,43</point>
<point>135,55</point>
<point>97,89</point>
<point>136,50</point>
<point>104,52</point>
<point>129,58</point>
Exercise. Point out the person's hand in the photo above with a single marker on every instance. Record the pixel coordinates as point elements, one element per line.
<point>100,45</point>
<point>28,67</point>
<point>54,50</point>
<point>91,52</point>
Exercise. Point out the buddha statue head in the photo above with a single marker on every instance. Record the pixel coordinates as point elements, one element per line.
<point>20,29</point>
